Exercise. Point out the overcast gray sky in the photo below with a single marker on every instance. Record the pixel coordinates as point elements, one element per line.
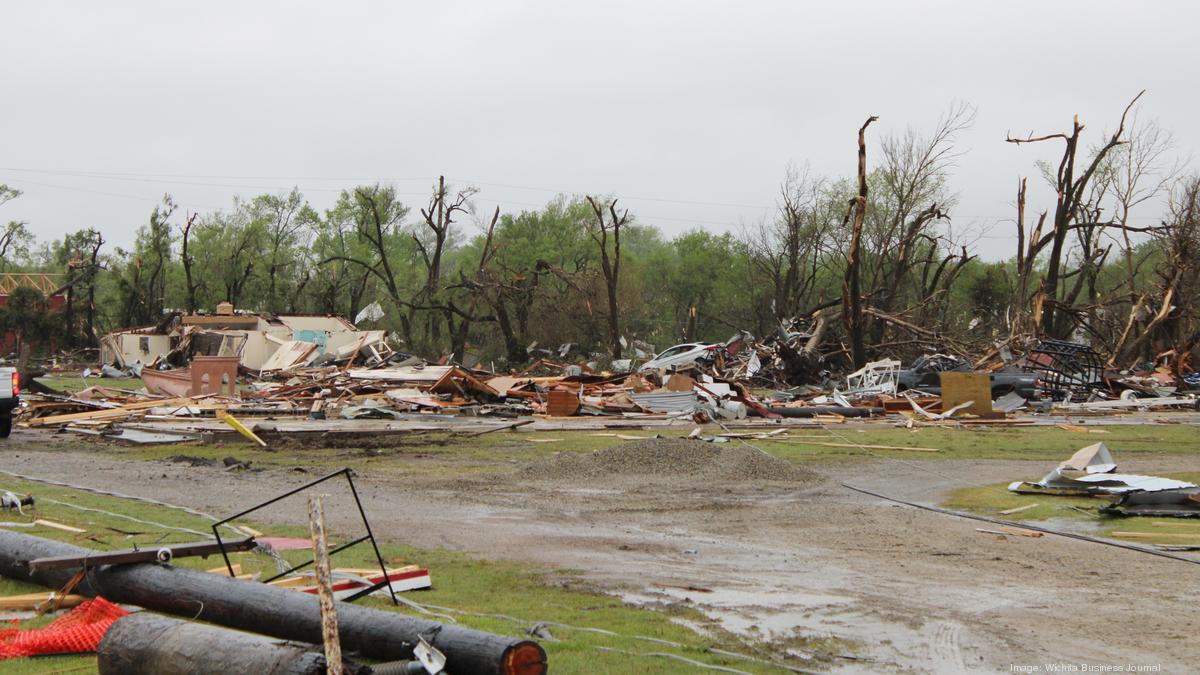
<point>688,111</point>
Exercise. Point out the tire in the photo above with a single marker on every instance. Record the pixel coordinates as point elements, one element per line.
<point>5,424</point>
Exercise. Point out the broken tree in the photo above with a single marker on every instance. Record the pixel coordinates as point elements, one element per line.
<point>852,313</point>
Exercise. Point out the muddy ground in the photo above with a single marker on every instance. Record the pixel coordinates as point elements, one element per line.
<point>765,554</point>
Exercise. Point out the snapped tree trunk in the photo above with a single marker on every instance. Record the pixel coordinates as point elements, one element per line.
<point>852,314</point>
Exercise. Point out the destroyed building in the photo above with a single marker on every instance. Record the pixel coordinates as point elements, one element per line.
<point>262,342</point>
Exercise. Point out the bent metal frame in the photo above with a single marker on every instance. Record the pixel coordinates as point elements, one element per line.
<point>369,536</point>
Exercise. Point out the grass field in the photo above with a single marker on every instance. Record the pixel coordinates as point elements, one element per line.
<point>494,452</point>
<point>531,596</point>
<point>473,587</point>
<point>992,499</point>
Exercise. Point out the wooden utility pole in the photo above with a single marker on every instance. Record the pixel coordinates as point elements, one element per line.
<point>329,623</point>
<point>268,610</point>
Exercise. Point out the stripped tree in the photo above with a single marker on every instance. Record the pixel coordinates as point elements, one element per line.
<point>191,283</point>
<point>852,311</point>
<point>792,250</point>
<point>605,231</point>
<point>911,264</point>
<point>1072,185</point>
<point>1172,324</point>
<point>432,240</point>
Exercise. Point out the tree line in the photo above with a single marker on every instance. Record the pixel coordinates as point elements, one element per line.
<point>872,261</point>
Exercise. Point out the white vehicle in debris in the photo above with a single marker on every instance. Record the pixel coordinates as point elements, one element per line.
<point>10,390</point>
<point>681,356</point>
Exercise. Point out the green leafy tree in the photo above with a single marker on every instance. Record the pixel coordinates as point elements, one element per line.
<point>286,223</point>
<point>142,272</point>
<point>27,316</point>
<point>366,230</point>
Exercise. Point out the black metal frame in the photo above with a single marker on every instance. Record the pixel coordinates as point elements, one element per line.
<point>1072,366</point>
<point>370,536</point>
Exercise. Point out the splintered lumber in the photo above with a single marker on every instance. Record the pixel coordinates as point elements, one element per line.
<point>276,612</point>
<point>163,553</point>
<point>108,413</point>
<point>150,644</point>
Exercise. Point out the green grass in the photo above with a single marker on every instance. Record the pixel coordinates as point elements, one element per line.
<point>498,587</point>
<point>474,586</point>
<point>508,450</point>
<point>1034,443</point>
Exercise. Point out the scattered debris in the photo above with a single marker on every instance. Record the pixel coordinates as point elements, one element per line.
<point>1183,502</point>
<point>1090,472</point>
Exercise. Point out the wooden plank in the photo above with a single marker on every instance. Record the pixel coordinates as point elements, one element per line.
<point>368,572</point>
<point>869,447</point>
<point>1009,530</point>
<point>1020,531</point>
<point>32,601</point>
<point>1009,512</point>
<point>224,571</point>
<point>291,582</point>
<point>59,526</point>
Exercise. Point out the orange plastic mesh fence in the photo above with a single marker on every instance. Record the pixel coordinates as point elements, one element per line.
<point>77,632</point>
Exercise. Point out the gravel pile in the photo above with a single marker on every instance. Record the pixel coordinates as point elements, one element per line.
<point>672,458</point>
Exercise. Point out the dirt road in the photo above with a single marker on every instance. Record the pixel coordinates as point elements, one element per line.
<point>774,558</point>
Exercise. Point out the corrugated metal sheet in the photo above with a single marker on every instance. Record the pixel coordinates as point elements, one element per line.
<point>666,402</point>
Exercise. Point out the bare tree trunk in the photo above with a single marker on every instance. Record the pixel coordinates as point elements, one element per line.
<point>610,264</point>
<point>852,314</point>
<point>1071,192</point>
<point>186,258</point>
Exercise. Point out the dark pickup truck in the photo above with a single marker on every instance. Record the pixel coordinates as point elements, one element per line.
<point>10,390</point>
<point>925,375</point>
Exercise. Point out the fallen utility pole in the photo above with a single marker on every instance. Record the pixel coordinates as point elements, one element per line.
<point>272,611</point>
<point>150,644</point>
